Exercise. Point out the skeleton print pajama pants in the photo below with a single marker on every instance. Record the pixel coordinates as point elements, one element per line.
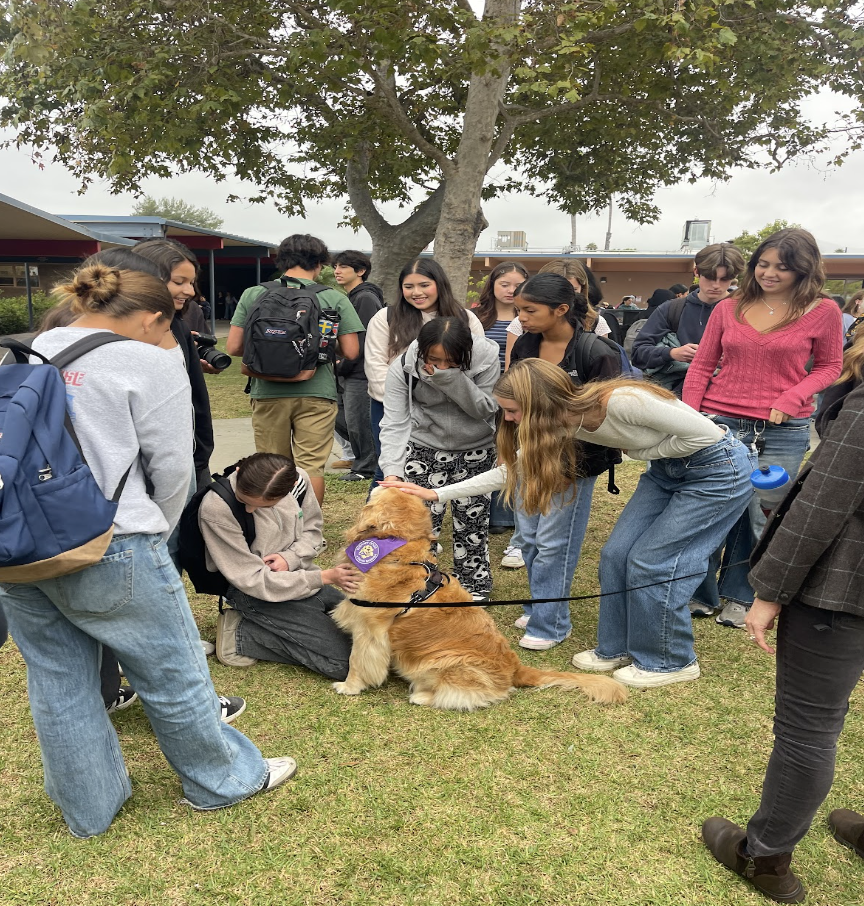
<point>435,468</point>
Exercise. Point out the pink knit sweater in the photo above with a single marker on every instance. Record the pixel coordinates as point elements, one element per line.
<point>764,371</point>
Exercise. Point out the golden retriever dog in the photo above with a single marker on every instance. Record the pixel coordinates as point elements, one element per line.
<point>453,657</point>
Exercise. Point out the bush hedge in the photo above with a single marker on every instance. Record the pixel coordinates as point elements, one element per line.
<point>13,312</point>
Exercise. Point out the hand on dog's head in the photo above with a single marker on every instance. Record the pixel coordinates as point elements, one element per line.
<point>390,513</point>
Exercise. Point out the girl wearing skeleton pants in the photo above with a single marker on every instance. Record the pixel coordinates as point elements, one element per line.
<point>438,427</point>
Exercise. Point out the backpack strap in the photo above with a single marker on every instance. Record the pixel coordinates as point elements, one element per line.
<point>299,490</point>
<point>676,309</point>
<point>21,351</point>
<point>83,346</point>
<point>221,486</point>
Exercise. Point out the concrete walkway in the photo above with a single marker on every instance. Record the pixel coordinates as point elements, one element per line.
<point>233,440</point>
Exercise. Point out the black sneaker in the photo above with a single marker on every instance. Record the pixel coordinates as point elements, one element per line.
<point>354,476</point>
<point>230,706</point>
<point>125,698</point>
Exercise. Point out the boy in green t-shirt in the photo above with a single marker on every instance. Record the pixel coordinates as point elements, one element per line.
<point>297,419</point>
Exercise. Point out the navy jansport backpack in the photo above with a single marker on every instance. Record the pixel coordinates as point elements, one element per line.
<point>54,519</point>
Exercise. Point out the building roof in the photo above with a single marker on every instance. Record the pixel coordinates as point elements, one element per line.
<point>27,231</point>
<point>195,237</point>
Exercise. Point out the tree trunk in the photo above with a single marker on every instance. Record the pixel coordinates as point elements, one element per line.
<point>462,218</point>
<point>393,245</point>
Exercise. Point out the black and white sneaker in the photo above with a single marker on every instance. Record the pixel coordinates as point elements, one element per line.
<point>278,771</point>
<point>230,706</point>
<point>125,698</point>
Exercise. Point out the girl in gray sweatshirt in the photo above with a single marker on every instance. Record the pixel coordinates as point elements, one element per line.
<point>439,427</point>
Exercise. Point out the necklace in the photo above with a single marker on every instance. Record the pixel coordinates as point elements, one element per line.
<point>770,309</point>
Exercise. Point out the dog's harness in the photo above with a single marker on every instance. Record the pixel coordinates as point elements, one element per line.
<point>435,579</point>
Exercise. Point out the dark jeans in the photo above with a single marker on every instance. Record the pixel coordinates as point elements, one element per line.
<point>300,633</point>
<point>376,413</point>
<point>4,632</point>
<point>109,676</point>
<point>353,422</point>
<point>820,658</point>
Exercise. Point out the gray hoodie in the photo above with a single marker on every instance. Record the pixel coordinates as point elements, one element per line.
<point>450,410</point>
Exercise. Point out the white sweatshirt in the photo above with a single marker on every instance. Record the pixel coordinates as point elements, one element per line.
<point>638,422</point>
<point>130,403</point>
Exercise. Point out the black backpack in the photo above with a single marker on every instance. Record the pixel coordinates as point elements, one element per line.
<point>287,334</point>
<point>191,542</point>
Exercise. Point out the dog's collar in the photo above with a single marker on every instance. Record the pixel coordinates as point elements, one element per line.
<point>435,579</point>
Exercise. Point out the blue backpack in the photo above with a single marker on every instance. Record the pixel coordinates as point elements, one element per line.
<point>54,519</point>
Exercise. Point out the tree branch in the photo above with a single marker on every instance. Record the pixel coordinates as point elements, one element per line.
<point>386,86</point>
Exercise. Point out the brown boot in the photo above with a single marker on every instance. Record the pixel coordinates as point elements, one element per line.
<point>848,829</point>
<point>770,875</point>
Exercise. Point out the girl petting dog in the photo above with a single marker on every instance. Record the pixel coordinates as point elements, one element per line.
<point>280,600</point>
<point>695,488</point>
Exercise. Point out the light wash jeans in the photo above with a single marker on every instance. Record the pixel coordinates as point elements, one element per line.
<point>785,445</point>
<point>679,513</point>
<point>551,546</point>
<point>132,601</point>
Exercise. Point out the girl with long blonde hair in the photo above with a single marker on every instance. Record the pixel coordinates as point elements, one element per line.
<point>695,487</point>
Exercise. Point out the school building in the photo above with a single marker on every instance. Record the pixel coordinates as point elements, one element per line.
<point>38,249</point>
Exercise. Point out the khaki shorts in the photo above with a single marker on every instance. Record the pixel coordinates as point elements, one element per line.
<point>298,427</point>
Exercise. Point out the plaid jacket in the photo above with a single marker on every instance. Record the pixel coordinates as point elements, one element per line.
<point>813,547</point>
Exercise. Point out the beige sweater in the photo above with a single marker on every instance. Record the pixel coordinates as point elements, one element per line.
<point>283,529</point>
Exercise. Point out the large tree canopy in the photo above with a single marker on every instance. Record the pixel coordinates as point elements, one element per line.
<point>400,99</point>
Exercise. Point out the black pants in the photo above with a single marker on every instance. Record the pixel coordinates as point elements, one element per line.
<point>4,632</point>
<point>820,658</point>
<point>300,633</point>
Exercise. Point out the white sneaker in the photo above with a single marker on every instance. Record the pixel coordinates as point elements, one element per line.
<point>733,614</point>
<point>512,558</point>
<point>590,660</point>
<point>209,647</point>
<point>648,679</point>
<point>535,644</point>
<point>279,770</point>
<point>522,622</point>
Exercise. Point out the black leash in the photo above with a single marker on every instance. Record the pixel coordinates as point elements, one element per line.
<point>513,601</point>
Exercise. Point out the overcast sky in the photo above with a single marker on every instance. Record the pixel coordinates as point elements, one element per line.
<point>829,201</point>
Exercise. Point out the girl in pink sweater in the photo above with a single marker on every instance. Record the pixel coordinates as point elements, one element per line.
<point>762,340</point>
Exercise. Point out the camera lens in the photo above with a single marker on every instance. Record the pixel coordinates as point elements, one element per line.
<point>219,360</point>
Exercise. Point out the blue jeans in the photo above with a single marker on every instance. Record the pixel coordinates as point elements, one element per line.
<point>353,422</point>
<point>500,514</point>
<point>132,601</point>
<point>820,660</point>
<point>551,546</point>
<point>785,445</point>
<point>678,515</point>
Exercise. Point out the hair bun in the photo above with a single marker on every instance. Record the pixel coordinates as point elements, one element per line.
<point>95,286</point>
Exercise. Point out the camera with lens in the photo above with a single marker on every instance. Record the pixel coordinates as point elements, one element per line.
<point>208,352</point>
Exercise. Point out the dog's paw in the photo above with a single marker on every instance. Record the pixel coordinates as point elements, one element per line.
<point>346,689</point>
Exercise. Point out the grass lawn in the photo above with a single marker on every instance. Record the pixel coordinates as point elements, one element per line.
<point>544,799</point>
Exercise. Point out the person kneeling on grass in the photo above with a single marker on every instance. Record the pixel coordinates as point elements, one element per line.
<point>280,600</point>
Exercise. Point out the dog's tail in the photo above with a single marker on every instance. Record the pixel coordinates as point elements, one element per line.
<point>597,688</point>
